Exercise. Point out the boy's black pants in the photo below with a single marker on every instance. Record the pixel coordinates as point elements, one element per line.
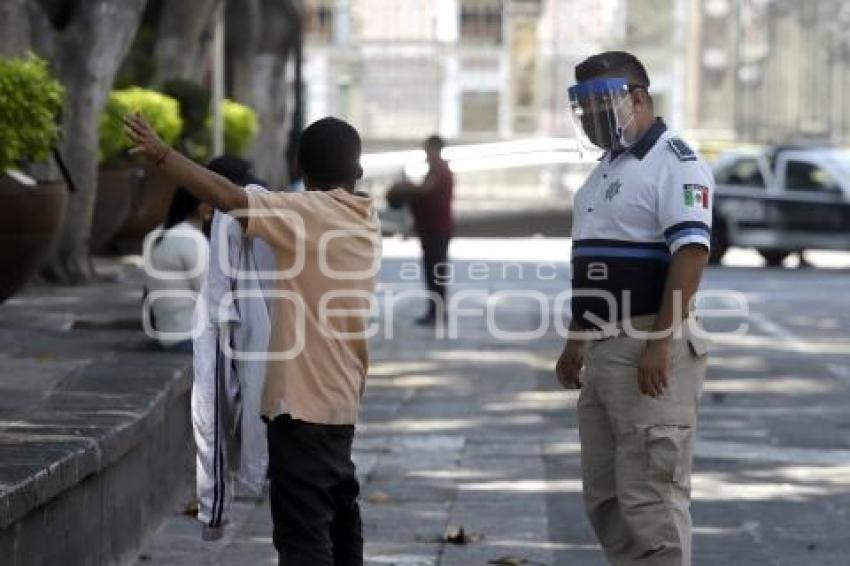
<point>314,493</point>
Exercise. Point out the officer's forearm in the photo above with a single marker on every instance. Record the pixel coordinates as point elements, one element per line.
<point>683,280</point>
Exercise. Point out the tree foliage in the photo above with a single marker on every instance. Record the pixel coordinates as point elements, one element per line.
<point>194,102</point>
<point>163,113</point>
<point>240,127</point>
<point>31,101</point>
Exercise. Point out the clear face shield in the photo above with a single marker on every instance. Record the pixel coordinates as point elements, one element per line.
<point>602,114</point>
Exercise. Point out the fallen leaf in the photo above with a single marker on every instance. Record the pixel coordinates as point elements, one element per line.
<point>192,508</point>
<point>379,497</point>
<point>458,535</point>
<point>453,535</point>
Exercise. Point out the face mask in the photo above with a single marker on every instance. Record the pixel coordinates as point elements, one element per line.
<point>603,114</point>
<point>601,128</point>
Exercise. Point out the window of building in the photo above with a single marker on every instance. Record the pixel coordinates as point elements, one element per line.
<point>480,112</point>
<point>481,20</point>
<point>318,20</point>
<point>400,97</point>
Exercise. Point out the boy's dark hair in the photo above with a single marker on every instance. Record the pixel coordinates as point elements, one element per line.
<point>329,154</point>
<point>613,64</point>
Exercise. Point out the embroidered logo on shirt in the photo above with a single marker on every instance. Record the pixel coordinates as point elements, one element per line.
<point>696,196</point>
<point>613,189</point>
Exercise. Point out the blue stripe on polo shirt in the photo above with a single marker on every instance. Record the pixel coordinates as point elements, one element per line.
<point>606,243</point>
<point>634,253</point>
<point>688,232</point>
<point>670,232</point>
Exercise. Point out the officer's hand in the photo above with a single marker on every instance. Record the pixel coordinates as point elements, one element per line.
<point>568,368</point>
<point>654,367</point>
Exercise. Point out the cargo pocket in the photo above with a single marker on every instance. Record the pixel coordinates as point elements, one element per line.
<point>668,452</point>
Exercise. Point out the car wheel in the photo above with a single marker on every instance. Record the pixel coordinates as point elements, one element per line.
<point>719,242</point>
<point>774,258</point>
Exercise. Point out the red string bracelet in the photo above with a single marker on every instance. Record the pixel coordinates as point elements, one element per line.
<point>162,156</point>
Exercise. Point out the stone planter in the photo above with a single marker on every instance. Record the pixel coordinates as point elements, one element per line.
<point>30,220</point>
<point>148,211</point>
<point>117,189</point>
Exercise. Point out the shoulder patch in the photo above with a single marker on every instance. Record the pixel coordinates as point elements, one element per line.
<point>682,150</point>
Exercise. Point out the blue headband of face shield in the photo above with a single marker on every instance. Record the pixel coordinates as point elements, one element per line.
<point>597,87</point>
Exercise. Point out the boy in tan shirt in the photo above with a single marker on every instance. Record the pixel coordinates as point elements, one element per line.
<point>327,248</point>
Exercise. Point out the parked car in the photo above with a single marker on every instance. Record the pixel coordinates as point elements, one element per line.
<point>783,200</point>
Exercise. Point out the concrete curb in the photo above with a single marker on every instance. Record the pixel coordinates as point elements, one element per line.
<point>106,452</point>
<point>84,441</point>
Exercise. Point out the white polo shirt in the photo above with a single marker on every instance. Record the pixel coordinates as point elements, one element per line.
<point>636,209</point>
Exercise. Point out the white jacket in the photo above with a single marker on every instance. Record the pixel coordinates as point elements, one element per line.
<point>229,433</point>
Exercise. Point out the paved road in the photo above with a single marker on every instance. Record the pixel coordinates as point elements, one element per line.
<point>471,431</point>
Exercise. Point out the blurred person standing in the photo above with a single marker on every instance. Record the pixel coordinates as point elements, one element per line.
<point>641,233</point>
<point>175,265</point>
<point>431,205</point>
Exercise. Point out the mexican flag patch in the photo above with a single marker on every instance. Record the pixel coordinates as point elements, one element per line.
<point>696,196</point>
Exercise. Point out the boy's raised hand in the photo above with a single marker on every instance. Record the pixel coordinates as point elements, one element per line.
<point>144,138</point>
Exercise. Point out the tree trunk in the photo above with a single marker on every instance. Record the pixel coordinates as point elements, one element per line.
<point>14,28</point>
<point>183,38</point>
<point>70,261</point>
<point>86,56</point>
<point>261,37</point>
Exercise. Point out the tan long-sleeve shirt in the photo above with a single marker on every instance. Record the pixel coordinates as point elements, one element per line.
<point>327,248</point>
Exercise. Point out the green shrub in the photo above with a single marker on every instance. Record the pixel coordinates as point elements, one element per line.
<point>31,102</point>
<point>194,103</point>
<point>240,127</point>
<point>163,113</point>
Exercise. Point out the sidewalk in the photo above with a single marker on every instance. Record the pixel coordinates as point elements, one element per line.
<point>93,424</point>
<point>473,432</point>
<point>451,435</point>
<point>469,433</point>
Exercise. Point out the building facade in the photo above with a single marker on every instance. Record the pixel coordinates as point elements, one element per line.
<point>735,70</point>
<point>467,69</point>
<point>793,70</point>
<point>769,71</point>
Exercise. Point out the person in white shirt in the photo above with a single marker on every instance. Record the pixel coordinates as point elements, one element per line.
<point>641,237</point>
<point>175,264</point>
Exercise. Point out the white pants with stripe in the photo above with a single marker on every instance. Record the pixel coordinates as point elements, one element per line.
<point>229,433</point>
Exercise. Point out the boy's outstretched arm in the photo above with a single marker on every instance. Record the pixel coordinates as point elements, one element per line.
<point>209,187</point>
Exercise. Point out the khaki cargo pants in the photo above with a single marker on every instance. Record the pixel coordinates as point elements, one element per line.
<point>637,450</point>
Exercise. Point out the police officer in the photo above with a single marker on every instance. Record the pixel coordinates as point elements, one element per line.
<point>641,235</point>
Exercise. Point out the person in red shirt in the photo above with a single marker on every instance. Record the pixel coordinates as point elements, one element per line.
<point>431,206</point>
